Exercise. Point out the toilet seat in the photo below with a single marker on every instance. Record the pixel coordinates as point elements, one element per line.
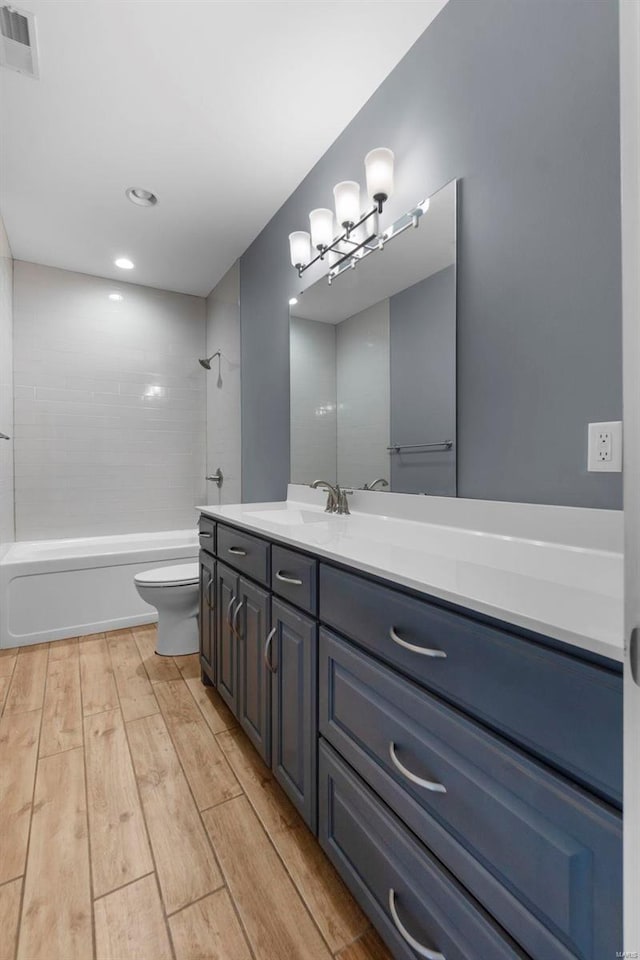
<point>180,575</point>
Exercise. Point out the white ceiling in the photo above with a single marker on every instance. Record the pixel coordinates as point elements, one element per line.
<point>220,108</point>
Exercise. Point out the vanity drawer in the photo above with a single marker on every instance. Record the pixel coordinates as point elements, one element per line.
<point>207,534</point>
<point>246,553</point>
<point>294,577</point>
<point>564,709</point>
<point>388,870</point>
<point>546,858</point>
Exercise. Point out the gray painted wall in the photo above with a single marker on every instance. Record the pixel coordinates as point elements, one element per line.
<point>422,338</point>
<point>519,100</point>
<point>224,432</point>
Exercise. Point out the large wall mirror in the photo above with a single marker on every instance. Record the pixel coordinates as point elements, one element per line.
<point>373,364</point>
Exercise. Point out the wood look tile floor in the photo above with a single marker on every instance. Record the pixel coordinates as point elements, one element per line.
<point>138,823</point>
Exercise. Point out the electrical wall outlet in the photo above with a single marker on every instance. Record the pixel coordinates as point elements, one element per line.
<point>605,447</point>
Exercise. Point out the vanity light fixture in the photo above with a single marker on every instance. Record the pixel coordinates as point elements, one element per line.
<point>379,167</point>
<point>347,200</point>
<point>357,236</point>
<point>124,263</point>
<point>300,246</point>
<point>322,232</point>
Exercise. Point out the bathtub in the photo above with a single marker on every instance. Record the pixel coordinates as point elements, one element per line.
<point>51,589</point>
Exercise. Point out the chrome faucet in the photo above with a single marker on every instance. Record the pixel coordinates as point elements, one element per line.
<point>372,486</point>
<point>336,497</point>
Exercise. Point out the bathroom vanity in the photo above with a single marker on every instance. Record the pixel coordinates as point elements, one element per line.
<point>443,706</point>
<point>436,683</point>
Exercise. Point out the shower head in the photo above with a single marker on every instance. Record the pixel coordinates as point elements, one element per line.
<point>206,362</point>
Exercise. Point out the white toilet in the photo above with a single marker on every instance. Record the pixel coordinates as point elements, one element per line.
<point>173,591</point>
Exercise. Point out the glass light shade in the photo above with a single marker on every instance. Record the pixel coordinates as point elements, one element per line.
<point>300,247</point>
<point>347,199</point>
<point>321,221</point>
<point>379,167</point>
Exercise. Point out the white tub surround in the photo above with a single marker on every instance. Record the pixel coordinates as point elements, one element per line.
<point>556,571</point>
<point>109,406</point>
<point>51,589</point>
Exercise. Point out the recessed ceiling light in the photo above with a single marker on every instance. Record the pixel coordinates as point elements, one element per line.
<point>124,263</point>
<point>115,296</point>
<point>293,301</point>
<point>143,198</point>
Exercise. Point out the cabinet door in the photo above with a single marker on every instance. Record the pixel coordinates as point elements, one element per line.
<point>254,687</point>
<point>226,644</point>
<point>207,618</point>
<point>292,657</point>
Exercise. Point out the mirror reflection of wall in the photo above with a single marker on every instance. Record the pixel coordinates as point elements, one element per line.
<point>369,372</point>
<point>423,384</point>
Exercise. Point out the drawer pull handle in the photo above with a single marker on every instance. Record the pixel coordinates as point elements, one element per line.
<point>432,785</point>
<point>267,647</point>
<point>207,594</point>
<point>425,651</point>
<point>234,619</point>
<point>404,933</point>
<point>237,551</point>
<point>285,579</point>
<point>205,535</point>
<point>231,603</point>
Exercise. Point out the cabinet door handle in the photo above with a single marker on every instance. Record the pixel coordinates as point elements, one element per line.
<point>234,619</point>
<point>634,656</point>
<point>207,536</point>
<point>432,785</point>
<point>231,603</point>
<point>267,647</point>
<point>207,593</point>
<point>237,551</point>
<point>421,950</point>
<point>425,651</point>
<point>285,579</point>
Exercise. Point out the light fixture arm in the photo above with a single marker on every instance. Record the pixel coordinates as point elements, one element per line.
<point>410,219</point>
<point>345,236</point>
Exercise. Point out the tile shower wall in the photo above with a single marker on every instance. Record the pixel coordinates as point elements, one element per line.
<point>363,396</point>
<point>109,406</point>
<point>6,389</point>
<point>223,389</point>
<point>313,401</point>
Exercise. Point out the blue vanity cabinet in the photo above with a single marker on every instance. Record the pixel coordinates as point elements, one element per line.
<point>252,624</point>
<point>410,897</point>
<point>558,706</point>
<point>292,659</point>
<point>226,643</point>
<point>248,554</point>
<point>463,776</point>
<point>207,535</point>
<point>542,855</point>
<point>294,577</point>
<point>267,653</point>
<point>207,623</point>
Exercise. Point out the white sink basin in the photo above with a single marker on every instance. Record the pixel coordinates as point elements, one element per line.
<point>289,518</point>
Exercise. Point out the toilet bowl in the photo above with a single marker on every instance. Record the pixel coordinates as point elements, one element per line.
<point>173,591</point>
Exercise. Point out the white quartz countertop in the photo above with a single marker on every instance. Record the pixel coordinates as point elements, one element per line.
<point>570,593</point>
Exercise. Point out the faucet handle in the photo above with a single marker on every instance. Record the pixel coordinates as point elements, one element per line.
<point>343,503</point>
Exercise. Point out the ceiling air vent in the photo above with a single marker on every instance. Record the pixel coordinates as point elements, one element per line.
<point>18,41</point>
